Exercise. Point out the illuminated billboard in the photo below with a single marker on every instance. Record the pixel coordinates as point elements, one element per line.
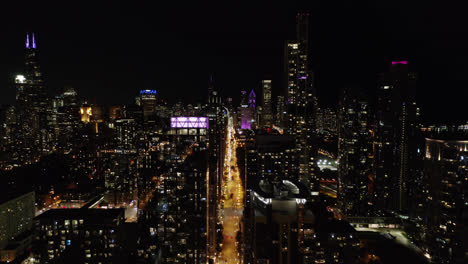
<point>189,122</point>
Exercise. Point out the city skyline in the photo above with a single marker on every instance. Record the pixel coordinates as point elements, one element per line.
<point>207,135</point>
<point>238,49</point>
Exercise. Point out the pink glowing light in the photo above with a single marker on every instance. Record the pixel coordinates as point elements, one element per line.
<point>189,122</point>
<point>399,62</point>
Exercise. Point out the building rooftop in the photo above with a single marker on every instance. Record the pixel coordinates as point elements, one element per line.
<point>283,190</point>
<point>8,196</point>
<point>90,216</point>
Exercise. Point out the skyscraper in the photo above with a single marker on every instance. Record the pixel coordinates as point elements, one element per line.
<point>396,120</point>
<point>280,111</point>
<point>148,103</point>
<point>215,113</point>
<point>445,198</point>
<point>300,99</point>
<point>267,110</point>
<point>37,94</point>
<point>355,188</point>
<point>34,135</point>
<point>245,112</point>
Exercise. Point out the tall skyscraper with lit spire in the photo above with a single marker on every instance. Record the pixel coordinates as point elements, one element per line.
<point>300,99</point>
<point>32,104</point>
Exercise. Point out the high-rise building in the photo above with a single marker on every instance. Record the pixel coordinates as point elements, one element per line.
<point>396,122</point>
<point>182,207</point>
<point>445,194</point>
<point>267,108</point>
<point>37,95</point>
<point>34,134</point>
<point>284,228</point>
<point>300,100</point>
<point>246,111</point>
<point>280,111</point>
<point>270,156</point>
<point>148,102</point>
<point>216,137</point>
<point>327,121</point>
<point>80,236</point>
<point>67,117</point>
<point>277,218</point>
<point>16,219</point>
<point>355,138</point>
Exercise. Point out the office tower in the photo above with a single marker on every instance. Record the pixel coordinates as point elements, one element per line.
<point>246,110</point>
<point>355,138</point>
<point>284,228</point>
<point>3,128</point>
<point>148,102</point>
<point>270,156</point>
<point>80,236</point>
<point>243,112</point>
<point>26,119</point>
<point>36,94</point>
<point>181,221</point>
<point>446,194</point>
<point>300,100</point>
<point>253,110</point>
<point>327,121</point>
<point>67,117</point>
<point>34,135</point>
<point>278,221</point>
<point>267,108</point>
<point>396,120</point>
<point>216,128</point>
<point>280,111</point>
<point>16,219</point>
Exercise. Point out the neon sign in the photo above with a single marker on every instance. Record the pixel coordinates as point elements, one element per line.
<point>189,122</point>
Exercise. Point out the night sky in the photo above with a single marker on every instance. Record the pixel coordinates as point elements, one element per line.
<point>108,51</point>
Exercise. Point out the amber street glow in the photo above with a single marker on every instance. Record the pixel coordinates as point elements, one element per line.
<point>233,196</point>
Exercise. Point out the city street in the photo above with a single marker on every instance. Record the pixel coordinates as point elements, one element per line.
<point>233,196</point>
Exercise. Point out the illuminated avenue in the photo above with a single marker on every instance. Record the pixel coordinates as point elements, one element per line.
<point>231,201</point>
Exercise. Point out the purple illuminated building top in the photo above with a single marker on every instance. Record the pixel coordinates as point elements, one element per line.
<point>189,122</point>
<point>27,41</point>
<point>34,42</point>
<point>399,62</point>
<point>252,97</point>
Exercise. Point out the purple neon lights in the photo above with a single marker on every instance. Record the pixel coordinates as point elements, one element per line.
<point>399,62</point>
<point>252,101</point>
<point>245,124</point>
<point>34,42</point>
<point>27,41</point>
<point>302,78</point>
<point>189,122</point>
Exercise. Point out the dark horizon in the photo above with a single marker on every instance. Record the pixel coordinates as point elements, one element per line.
<point>110,49</point>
